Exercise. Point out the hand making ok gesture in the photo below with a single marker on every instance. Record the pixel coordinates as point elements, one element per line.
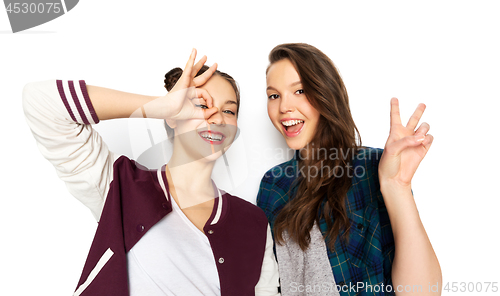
<point>185,100</point>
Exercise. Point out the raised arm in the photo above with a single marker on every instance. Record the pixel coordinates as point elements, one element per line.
<point>180,103</point>
<point>415,263</point>
<point>60,114</point>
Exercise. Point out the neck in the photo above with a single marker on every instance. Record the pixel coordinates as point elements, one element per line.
<point>189,180</point>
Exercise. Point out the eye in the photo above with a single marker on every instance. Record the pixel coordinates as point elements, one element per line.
<point>201,106</point>
<point>229,112</point>
<point>273,97</point>
<point>299,92</point>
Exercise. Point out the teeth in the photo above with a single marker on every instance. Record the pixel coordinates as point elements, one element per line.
<point>211,137</point>
<point>291,122</point>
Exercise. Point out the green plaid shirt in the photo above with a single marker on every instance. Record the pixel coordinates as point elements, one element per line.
<point>363,266</point>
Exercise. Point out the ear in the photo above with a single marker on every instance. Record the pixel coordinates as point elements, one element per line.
<point>171,123</point>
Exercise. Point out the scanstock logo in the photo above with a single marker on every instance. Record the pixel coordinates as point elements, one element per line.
<point>25,14</point>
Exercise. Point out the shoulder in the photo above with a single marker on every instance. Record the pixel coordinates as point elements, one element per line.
<point>127,169</point>
<point>281,172</point>
<point>243,208</point>
<point>124,161</point>
<point>365,163</point>
<point>275,185</point>
<point>365,189</point>
<point>368,157</point>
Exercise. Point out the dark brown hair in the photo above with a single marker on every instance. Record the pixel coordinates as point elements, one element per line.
<point>173,76</point>
<point>326,92</point>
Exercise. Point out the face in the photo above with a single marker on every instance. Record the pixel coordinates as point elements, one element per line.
<point>288,107</point>
<point>208,139</point>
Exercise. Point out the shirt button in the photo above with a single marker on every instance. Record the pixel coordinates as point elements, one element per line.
<point>140,228</point>
<point>221,260</point>
<point>210,231</point>
<point>360,226</point>
<point>164,205</point>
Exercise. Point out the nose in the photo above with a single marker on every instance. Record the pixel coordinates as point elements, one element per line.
<point>286,103</point>
<point>216,117</point>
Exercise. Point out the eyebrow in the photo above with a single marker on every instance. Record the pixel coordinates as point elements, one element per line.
<point>293,84</point>
<point>230,102</point>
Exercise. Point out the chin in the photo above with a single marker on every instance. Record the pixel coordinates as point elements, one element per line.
<point>295,144</point>
<point>213,157</point>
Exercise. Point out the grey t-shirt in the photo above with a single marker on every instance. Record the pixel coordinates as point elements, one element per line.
<point>305,272</point>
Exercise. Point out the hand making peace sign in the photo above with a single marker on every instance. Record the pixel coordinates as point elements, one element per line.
<point>405,148</point>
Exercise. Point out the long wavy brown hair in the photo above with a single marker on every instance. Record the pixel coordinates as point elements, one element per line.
<point>336,131</point>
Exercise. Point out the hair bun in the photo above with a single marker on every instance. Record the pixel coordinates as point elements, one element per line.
<point>171,78</point>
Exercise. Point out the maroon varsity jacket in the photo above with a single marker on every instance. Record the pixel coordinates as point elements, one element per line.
<point>136,202</point>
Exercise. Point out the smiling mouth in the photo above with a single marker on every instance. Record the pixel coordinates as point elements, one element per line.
<point>212,137</point>
<point>292,127</point>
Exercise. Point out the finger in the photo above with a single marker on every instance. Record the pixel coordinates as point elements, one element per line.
<point>415,118</point>
<point>409,141</point>
<point>427,142</point>
<point>205,114</point>
<point>395,116</point>
<point>202,93</point>
<point>198,66</point>
<point>203,78</point>
<point>186,74</point>
<point>423,129</point>
<point>209,112</point>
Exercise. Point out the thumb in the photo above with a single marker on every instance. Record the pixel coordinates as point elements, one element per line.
<point>409,141</point>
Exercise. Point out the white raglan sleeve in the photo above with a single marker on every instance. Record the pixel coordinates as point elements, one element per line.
<point>269,277</point>
<point>59,114</point>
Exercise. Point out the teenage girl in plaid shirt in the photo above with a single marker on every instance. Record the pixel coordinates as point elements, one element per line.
<point>342,223</point>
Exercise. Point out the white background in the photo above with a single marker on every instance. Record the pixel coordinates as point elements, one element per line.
<point>444,54</point>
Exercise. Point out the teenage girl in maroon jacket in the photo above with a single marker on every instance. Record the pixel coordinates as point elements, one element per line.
<point>161,232</point>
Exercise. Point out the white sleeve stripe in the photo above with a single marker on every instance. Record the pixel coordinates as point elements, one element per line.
<point>83,102</point>
<point>71,102</point>
<point>64,99</point>
<point>76,99</point>
<point>100,264</point>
